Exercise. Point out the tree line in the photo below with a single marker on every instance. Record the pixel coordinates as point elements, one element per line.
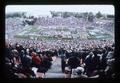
<point>86,15</point>
<point>89,16</point>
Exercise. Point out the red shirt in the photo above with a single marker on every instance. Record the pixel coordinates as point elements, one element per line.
<point>36,59</point>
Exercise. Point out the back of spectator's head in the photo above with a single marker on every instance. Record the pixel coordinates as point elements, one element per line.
<point>33,53</point>
<point>110,49</point>
<point>79,70</point>
<point>22,51</point>
<point>17,45</point>
<point>15,52</point>
<point>113,45</point>
<point>91,53</point>
<point>95,52</point>
<point>103,50</point>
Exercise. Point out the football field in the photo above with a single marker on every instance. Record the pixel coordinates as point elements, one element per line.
<point>64,33</point>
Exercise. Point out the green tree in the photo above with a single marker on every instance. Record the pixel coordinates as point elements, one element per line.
<point>65,14</point>
<point>78,15</point>
<point>85,15</point>
<point>99,15</point>
<point>90,17</point>
<point>54,14</point>
<point>15,14</point>
<point>110,16</point>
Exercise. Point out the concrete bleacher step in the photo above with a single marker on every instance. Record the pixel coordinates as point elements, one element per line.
<point>55,70</point>
<point>54,75</point>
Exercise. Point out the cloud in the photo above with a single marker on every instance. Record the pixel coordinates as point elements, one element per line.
<point>44,9</point>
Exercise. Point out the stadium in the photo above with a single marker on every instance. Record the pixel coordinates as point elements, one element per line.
<point>63,45</point>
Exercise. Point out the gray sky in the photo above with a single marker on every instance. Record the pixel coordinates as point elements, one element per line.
<point>44,9</point>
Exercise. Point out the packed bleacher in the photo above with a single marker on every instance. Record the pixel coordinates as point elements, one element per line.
<point>59,21</point>
<point>13,24</point>
<point>85,59</point>
<point>20,62</point>
<point>96,62</point>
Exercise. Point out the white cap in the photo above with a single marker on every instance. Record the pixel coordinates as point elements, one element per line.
<point>80,68</point>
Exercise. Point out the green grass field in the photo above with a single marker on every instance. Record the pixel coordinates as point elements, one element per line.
<point>32,32</point>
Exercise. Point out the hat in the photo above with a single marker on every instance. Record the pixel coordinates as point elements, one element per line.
<point>22,51</point>
<point>79,70</point>
<point>91,53</point>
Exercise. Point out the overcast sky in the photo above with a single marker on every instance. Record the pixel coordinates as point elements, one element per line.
<point>44,9</point>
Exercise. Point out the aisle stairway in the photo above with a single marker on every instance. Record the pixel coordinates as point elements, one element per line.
<point>55,70</point>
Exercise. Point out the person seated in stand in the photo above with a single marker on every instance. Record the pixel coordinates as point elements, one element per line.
<point>46,63</point>
<point>36,60</point>
<point>49,56</point>
<point>9,72</point>
<point>109,71</point>
<point>74,62</point>
<point>27,66</point>
<point>78,73</point>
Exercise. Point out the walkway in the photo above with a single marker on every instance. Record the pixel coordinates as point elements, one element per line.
<point>55,71</point>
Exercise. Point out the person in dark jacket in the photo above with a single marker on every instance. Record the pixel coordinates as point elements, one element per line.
<point>8,52</point>
<point>63,64</point>
<point>89,64</point>
<point>46,64</point>
<point>74,62</point>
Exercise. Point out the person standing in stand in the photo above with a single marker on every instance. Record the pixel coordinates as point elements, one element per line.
<point>62,55</point>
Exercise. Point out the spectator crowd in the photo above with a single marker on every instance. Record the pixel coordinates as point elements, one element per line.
<point>80,58</point>
<point>86,59</point>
